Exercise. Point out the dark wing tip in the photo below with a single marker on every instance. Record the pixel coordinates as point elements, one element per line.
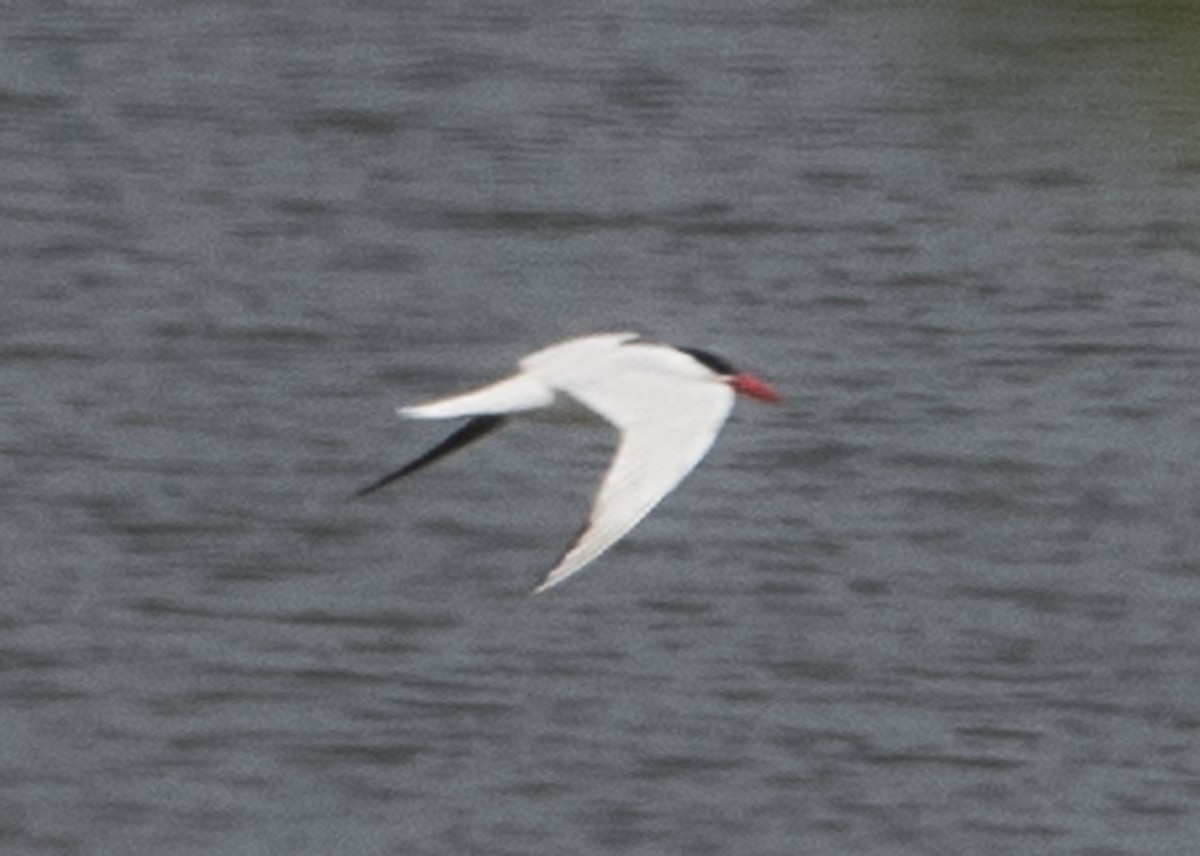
<point>469,433</point>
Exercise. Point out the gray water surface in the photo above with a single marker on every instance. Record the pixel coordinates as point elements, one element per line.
<point>944,600</point>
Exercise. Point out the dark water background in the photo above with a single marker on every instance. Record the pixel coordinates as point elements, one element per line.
<point>945,600</point>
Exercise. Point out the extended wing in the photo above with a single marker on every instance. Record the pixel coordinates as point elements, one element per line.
<point>668,412</point>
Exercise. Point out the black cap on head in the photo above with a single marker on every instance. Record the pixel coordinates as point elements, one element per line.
<point>720,365</point>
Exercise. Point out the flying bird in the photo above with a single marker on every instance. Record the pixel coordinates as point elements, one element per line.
<point>667,403</point>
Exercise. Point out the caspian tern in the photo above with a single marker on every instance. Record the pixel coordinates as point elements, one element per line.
<point>667,403</point>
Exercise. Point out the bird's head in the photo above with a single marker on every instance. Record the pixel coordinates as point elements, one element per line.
<point>743,383</point>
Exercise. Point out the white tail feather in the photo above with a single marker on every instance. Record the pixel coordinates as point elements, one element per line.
<point>511,395</point>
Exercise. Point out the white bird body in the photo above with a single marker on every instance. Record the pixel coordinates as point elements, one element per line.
<point>667,403</point>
